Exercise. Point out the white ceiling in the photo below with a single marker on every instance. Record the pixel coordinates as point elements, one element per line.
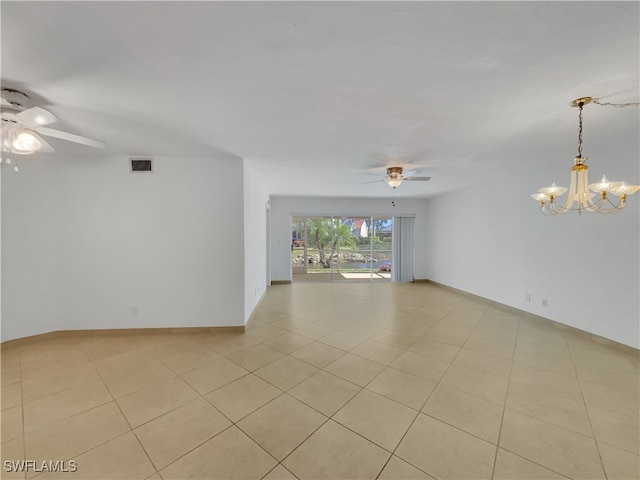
<point>318,95</point>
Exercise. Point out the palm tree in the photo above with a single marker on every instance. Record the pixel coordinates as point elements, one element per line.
<point>327,233</point>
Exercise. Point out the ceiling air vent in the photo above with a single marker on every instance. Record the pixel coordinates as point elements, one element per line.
<point>141,164</point>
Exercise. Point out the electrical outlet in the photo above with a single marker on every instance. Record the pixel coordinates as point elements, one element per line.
<point>134,311</point>
<point>545,302</point>
<point>527,297</point>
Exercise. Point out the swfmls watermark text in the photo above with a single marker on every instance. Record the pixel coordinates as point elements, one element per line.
<point>59,466</point>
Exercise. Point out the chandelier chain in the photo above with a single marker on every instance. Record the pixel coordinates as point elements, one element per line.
<point>616,105</point>
<point>580,132</point>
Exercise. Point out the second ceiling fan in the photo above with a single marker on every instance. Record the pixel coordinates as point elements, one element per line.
<point>395,177</point>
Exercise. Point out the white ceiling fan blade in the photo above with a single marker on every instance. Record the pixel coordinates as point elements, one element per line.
<point>50,132</point>
<point>411,173</point>
<point>44,146</point>
<point>374,181</point>
<point>36,116</point>
<point>417,179</point>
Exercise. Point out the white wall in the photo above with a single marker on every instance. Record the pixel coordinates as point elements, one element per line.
<point>85,241</point>
<point>491,240</point>
<point>256,203</point>
<point>282,208</point>
<point>30,239</point>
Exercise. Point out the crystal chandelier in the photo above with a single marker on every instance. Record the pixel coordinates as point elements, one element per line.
<point>581,193</point>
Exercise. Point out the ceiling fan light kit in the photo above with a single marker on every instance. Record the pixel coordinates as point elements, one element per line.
<point>394,182</point>
<point>24,142</point>
<point>395,178</point>
<point>581,193</point>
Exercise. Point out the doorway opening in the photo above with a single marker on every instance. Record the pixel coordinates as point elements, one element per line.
<point>341,248</point>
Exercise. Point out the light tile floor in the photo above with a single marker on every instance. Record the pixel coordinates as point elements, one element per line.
<point>333,381</point>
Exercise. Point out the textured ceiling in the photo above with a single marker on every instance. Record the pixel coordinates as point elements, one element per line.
<point>317,96</point>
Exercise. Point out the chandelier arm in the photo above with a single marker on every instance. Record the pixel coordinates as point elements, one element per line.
<point>618,204</point>
<point>615,207</point>
<point>551,209</point>
<point>567,205</point>
<point>612,210</point>
<point>559,211</point>
<point>593,207</point>
<point>600,206</point>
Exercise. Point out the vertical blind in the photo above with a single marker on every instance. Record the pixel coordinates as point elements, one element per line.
<point>402,250</point>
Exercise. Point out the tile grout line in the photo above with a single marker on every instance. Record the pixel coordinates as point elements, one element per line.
<point>24,432</point>
<point>349,400</point>
<point>202,395</point>
<point>418,413</point>
<point>155,418</point>
<point>519,455</point>
<point>584,403</point>
<point>533,417</point>
<point>295,448</point>
<point>232,423</point>
<point>504,407</point>
<point>196,447</point>
<point>131,429</point>
<point>280,462</point>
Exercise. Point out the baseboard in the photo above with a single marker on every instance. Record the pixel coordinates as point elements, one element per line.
<point>249,320</point>
<point>112,332</point>
<point>545,321</point>
<point>280,282</point>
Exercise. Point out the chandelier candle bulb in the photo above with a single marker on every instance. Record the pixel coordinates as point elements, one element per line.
<point>552,191</point>
<point>541,197</point>
<point>604,185</point>
<point>623,190</point>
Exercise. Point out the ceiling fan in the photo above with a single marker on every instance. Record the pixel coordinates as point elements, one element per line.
<point>394,177</point>
<point>22,127</point>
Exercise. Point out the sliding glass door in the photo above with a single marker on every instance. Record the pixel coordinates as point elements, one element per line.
<point>354,255</point>
<point>381,247</point>
<point>341,249</point>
